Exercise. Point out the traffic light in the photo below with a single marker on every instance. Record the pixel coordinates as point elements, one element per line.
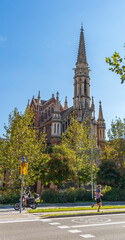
<point>24,169</point>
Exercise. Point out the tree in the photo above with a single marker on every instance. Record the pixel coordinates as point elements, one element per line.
<point>115,148</point>
<point>22,140</point>
<point>78,142</point>
<point>117,130</point>
<point>60,167</point>
<point>112,167</point>
<point>117,65</point>
<point>108,173</point>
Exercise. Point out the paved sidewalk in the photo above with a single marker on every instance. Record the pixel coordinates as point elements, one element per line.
<point>8,210</point>
<point>46,205</point>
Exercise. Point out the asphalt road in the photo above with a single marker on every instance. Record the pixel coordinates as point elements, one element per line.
<point>29,227</point>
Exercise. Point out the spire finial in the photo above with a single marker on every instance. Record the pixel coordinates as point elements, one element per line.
<point>57,95</point>
<point>39,94</point>
<point>65,104</point>
<point>38,99</point>
<point>57,105</point>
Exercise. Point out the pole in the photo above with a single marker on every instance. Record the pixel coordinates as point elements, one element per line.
<point>91,158</point>
<point>21,191</point>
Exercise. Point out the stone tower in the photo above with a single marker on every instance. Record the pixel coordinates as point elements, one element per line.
<point>56,123</point>
<point>81,100</point>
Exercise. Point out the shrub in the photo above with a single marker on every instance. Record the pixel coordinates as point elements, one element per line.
<point>83,195</point>
<point>65,196</point>
<point>9,196</point>
<point>50,196</point>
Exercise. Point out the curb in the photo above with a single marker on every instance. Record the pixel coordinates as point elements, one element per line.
<point>81,214</point>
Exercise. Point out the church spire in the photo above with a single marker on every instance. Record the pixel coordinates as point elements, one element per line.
<point>100,112</point>
<point>39,98</point>
<point>57,105</point>
<point>82,51</point>
<point>65,104</point>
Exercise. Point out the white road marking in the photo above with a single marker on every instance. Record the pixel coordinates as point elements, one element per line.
<point>98,224</point>
<point>45,220</point>
<point>90,220</point>
<point>19,220</point>
<point>54,223</point>
<point>63,227</point>
<point>87,236</point>
<point>74,231</point>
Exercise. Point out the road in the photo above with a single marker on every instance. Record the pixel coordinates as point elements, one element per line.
<point>32,227</point>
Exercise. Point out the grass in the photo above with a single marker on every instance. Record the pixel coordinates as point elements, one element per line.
<point>64,209</point>
<point>81,213</point>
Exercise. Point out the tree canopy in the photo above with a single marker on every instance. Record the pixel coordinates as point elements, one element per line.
<point>117,65</point>
<point>22,141</point>
<point>77,141</point>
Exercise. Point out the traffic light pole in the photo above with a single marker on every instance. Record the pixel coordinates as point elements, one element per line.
<point>21,198</point>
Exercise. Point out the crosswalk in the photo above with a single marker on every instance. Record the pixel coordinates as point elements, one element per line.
<point>68,228</point>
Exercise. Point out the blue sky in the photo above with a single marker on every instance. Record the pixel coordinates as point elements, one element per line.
<point>39,46</point>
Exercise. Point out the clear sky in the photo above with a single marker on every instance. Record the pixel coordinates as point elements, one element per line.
<point>38,50</point>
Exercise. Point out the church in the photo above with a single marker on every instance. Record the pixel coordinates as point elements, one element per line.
<point>54,118</point>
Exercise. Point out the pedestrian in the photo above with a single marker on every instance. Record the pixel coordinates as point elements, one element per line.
<point>98,198</point>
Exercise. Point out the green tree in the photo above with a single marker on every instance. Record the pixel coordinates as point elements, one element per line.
<point>115,147</point>
<point>112,167</point>
<point>77,141</point>
<point>22,140</point>
<point>117,65</point>
<point>117,130</point>
<point>60,166</point>
<point>109,173</point>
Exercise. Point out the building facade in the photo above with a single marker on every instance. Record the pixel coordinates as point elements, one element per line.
<point>54,118</point>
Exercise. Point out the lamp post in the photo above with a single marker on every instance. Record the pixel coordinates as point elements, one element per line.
<point>24,168</point>
<point>91,159</point>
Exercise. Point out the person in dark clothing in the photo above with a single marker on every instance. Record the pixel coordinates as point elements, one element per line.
<point>28,195</point>
<point>98,198</point>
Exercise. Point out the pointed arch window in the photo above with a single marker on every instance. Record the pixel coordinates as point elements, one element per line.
<point>55,128</point>
<point>49,112</point>
<point>45,114</point>
<point>52,109</point>
<point>42,118</point>
<point>100,134</point>
<point>86,103</point>
<point>80,90</point>
<point>58,128</point>
<point>85,87</point>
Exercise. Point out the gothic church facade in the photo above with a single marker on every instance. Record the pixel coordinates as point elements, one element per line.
<point>54,118</point>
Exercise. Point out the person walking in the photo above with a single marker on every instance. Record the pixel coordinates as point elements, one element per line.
<point>98,198</point>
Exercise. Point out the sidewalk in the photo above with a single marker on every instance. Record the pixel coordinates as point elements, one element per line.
<point>85,204</point>
<point>8,209</point>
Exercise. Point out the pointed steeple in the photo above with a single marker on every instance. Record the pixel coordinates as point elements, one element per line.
<point>65,104</point>
<point>57,107</point>
<point>93,108</point>
<point>82,51</point>
<point>100,112</point>
<point>39,98</point>
<point>100,127</point>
